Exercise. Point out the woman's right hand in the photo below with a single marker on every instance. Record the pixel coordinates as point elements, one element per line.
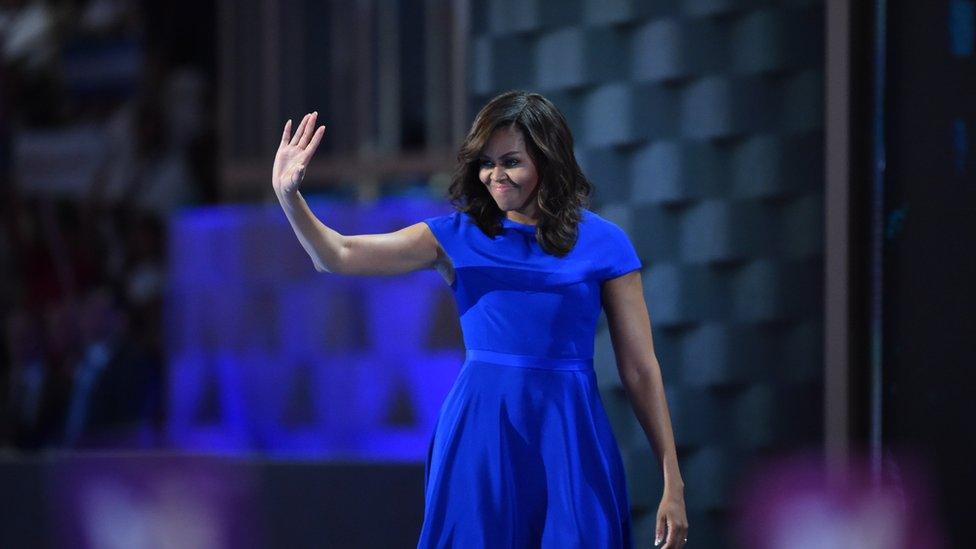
<point>294,154</point>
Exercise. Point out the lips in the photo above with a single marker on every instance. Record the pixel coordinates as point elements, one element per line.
<point>505,187</point>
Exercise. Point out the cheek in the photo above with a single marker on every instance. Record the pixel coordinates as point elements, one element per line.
<point>526,176</point>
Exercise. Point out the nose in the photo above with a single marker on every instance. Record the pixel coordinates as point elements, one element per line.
<point>497,173</point>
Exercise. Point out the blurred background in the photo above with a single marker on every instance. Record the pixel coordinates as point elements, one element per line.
<point>797,176</point>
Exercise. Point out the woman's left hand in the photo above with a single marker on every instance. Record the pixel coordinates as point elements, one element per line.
<point>671,515</point>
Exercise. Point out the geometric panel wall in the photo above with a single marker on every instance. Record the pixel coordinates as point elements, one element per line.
<point>699,123</point>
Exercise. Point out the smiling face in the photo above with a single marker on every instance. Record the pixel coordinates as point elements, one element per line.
<point>509,174</point>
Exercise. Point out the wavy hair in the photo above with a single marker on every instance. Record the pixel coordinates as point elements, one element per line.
<point>563,191</point>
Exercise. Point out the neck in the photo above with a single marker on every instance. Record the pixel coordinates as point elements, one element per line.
<point>527,214</point>
<point>519,217</point>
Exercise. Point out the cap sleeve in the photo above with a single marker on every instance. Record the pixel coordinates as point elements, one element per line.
<point>620,257</point>
<point>445,229</point>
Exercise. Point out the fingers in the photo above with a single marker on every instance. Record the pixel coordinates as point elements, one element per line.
<point>298,132</point>
<point>676,535</point>
<point>306,136</point>
<point>307,130</point>
<point>316,139</point>
<point>284,134</point>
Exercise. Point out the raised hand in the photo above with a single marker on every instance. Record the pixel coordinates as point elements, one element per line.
<point>294,154</point>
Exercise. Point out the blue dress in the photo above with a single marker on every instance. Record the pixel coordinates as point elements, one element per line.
<point>523,454</point>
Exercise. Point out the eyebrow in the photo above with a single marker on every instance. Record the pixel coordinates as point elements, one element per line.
<point>509,153</point>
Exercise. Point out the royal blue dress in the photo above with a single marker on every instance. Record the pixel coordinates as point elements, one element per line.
<point>522,454</point>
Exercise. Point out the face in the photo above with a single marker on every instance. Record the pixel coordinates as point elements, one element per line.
<point>507,171</point>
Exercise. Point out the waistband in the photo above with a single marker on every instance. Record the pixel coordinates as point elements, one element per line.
<point>529,361</point>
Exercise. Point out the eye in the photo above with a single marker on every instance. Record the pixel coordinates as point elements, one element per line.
<point>512,161</point>
<point>485,163</point>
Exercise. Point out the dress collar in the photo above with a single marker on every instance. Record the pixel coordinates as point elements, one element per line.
<point>524,227</point>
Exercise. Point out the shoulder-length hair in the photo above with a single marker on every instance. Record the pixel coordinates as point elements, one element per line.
<point>563,191</point>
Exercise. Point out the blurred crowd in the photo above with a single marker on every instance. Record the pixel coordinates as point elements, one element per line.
<point>83,293</point>
<point>103,133</point>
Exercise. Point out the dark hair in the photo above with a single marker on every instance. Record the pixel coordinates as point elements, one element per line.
<point>563,191</point>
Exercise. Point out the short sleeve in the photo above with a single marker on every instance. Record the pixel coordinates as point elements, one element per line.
<point>619,254</point>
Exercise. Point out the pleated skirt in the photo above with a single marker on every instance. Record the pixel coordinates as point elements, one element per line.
<point>523,456</point>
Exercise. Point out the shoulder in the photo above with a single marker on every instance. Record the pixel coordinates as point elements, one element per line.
<point>445,222</point>
<point>599,226</point>
<point>451,216</point>
<point>594,219</point>
<point>615,251</point>
<point>450,229</point>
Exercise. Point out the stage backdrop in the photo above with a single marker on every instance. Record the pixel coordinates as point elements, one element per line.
<point>267,355</point>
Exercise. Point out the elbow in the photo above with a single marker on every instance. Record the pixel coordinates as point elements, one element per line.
<point>637,373</point>
<point>334,266</point>
<point>321,267</point>
<point>631,377</point>
<point>331,259</point>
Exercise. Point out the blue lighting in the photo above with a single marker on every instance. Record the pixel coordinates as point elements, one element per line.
<point>962,27</point>
<point>266,355</point>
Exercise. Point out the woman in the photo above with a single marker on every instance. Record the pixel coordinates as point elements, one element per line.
<point>523,454</point>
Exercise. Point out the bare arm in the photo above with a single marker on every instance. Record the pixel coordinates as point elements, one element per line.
<point>408,249</point>
<point>640,372</point>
